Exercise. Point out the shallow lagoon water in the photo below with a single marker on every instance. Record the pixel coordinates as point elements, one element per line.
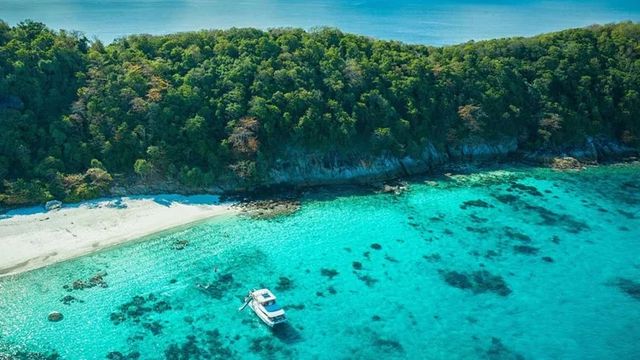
<point>415,21</point>
<point>525,263</point>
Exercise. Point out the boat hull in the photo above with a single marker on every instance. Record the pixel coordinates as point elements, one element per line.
<point>265,319</point>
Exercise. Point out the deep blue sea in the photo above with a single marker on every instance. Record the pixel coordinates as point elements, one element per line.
<point>509,264</point>
<point>415,21</point>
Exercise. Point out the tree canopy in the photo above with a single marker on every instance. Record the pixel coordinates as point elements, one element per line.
<point>214,106</point>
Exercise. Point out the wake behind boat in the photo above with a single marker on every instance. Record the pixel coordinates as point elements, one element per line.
<point>263,303</point>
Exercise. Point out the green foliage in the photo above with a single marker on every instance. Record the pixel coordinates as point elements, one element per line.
<point>213,106</point>
<point>143,168</point>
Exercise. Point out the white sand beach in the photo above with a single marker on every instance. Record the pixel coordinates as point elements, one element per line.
<point>32,238</point>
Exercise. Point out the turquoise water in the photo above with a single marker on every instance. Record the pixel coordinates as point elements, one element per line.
<point>416,21</point>
<point>531,264</point>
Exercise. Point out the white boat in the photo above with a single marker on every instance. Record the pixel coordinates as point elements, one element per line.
<point>263,303</point>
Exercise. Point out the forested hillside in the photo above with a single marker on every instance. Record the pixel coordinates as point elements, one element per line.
<point>222,106</point>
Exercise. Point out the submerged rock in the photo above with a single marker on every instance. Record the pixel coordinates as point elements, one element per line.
<point>435,257</point>
<point>219,288</point>
<point>376,246</point>
<point>55,316</point>
<point>387,345</point>
<point>68,299</point>
<point>525,249</point>
<point>357,265</point>
<point>497,351</point>
<point>516,235</point>
<point>284,284</point>
<point>269,209</point>
<point>531,190</point>
<point>506,198</point>
<point>180,244</point>
<point>475,203</point>
<point>330,273</point>
<point>368,280</point>
<point>459,280</point>
<point>96,280</point>
<point>629,287</point>
<point>478,282</point>
<point>155,327</point>
<point>117,355</point>
<point>395,188</point>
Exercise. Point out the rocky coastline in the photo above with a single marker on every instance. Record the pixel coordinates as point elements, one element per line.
<point>303,170</point>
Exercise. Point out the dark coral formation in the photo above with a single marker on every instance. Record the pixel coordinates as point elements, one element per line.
<point>531,190</point>
<point>525,249</point>
<point>506,198</point>
<point>477,219</point>
<point>137,308</point>
<point>475,203</point>
<point>211,347</point>
<point>68,300</point>
<point>479,229</point>
<point>516,235</point>
<point>116,355</point>
<point>368,280</point>
<point>550,218</point>
<point>376,246</point>
<point>330,273</point>
<point>95,280</point>
<point>497,351</point>
<point>478,282</point>
<point>388,345</point>
<point>357,265</point>
<point>629,287</point>
<point>180,244</point>
<point>266,346</point>
<point>217,289</point>
<point>154,326</point>
<point>284,284</point>
<point>435,257</point>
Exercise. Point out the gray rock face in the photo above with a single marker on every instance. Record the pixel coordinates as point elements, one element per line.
<point>53,205</point>
<point>482,151</point>
<point>302,168</point>
<point>591,151</point>
<point>314,169</point>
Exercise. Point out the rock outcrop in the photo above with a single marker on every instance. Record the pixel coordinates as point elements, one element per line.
<point>53,205</point>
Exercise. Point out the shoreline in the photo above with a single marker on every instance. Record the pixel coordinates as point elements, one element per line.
<point>84,228</point>
<point>31,238</point>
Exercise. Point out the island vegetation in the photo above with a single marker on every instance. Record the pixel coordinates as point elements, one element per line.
<point>209,107</point>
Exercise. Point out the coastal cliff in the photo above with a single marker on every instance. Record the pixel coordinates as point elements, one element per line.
<point>309,169</point>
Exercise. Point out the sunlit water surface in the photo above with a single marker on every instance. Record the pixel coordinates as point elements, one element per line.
<point>527,263</point>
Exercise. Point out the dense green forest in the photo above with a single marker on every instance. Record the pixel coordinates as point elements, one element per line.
<point>217,106</point>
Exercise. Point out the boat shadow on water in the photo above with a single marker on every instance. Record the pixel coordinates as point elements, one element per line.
<point>286,333</point>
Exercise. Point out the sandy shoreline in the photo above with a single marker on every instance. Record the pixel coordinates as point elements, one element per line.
<point>33,238</point>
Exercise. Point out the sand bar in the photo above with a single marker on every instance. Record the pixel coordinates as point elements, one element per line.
<point>32,237</point>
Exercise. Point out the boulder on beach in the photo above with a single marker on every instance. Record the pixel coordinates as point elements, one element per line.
<point>53,205</point>
<point>566,163</point>
<point>55,316</point>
